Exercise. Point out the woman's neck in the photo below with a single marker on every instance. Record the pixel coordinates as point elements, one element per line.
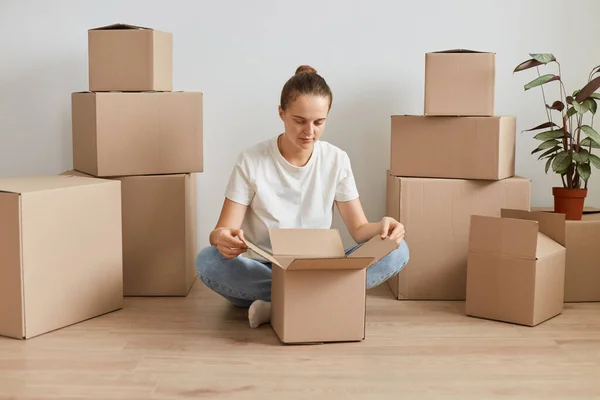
<point>293,155</point>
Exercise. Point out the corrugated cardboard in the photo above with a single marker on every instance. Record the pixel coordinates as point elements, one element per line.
<point>436,214</point>
<point>118,134</point>
<point>460,83</point>
<point>60,252</point>
<point>319,294</point>
<point>515,271</point>
<point>582,271</point>
<point>129,58</point>
<point>159,234</point>
<point>451,147</point>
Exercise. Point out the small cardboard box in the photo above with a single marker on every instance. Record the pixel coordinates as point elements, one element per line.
<point>60,252</point>
<point>460,83</point>
<point>436,214</point>
<point>119,134</point>
<point>451,147</point>
<point>515,271</point>
<point>130,58</point>
<point>319,293</point>
<point>582,271</point>
<point>159,233</point>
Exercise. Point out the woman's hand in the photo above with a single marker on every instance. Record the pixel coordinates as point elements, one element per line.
<point>229,242</point>
<point>392,229</point>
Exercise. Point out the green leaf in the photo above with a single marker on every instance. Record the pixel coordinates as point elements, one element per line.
<point>541,80</point>
<point>591,105</point>
<point>588,89</point>
<point>575,92</point>
<point>571,111</point>
<point>569,100</point>
<point>553,134</point>
<point>557,105</point>
<point>581,108</point>
<point>595,160</point>
<point>543,58</point>
<point>586,142</point>
<point>548,152</point>
<point>595,96</point>
<point>546,145</point>
<point>526,65</point>
<point>584,171</point>
<point>582,156</point>
<point>542,126</point>
<point>562,161</point>
<point>592,134</point>
<point>548,163</point>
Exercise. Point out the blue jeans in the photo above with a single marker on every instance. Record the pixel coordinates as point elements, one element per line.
<point>242,280</point>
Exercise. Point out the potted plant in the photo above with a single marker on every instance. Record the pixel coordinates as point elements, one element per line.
<point>567,140</point>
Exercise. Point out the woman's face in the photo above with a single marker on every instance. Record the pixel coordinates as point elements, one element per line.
<point>304,120</point>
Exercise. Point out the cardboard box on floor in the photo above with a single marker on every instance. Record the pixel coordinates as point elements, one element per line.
<point>436,214</point>
<point>319,293</point>
<point>60,252</point>
<point>119,134</point>
<point>159,233</point>
<point>582,271</point>
<point>125,57</point>
<point>460,83</point>
<point>515,271</point>
<point>451,147</point>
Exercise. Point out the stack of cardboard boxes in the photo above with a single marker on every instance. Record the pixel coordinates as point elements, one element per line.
<point>452,184</point>
<point>455,161</point>
<point>133,128</point>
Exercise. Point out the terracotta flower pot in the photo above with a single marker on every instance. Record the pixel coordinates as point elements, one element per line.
<point>569,202</point>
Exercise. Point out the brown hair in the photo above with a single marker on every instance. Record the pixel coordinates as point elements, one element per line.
<point>305,81</point>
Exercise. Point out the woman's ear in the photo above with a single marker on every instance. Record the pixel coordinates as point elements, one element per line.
<point>280,112</point>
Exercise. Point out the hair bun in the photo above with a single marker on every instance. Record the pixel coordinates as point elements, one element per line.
<point>305,68</point>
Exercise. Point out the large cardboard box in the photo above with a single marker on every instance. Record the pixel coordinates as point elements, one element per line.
<point>436,214</point>
<point>582,271</point>
<point>129,58</point>
<point>118,134</point>
<point>60,252</point>
<point>159,233</point>
<point>515,271</point>
<point>460,83</point>
<point>451,147</point>
<point>318,293</point>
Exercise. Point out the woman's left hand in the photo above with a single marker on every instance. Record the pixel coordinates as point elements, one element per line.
<point>392,229</point>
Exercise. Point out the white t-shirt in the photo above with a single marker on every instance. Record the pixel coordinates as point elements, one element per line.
<point>281,195</point>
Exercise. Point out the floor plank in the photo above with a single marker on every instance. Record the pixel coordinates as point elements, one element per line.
<point>200,347</point>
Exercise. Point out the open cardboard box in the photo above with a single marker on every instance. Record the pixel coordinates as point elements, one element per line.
<point>318,293</point>
<point>515,271</point>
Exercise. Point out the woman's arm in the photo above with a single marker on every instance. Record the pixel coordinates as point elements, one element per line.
<point>361,229</point>
<point>227,235</point>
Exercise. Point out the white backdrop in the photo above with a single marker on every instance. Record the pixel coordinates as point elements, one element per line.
<point>240,53</point>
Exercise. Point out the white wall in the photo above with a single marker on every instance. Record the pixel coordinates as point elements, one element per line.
<point>240,53</point>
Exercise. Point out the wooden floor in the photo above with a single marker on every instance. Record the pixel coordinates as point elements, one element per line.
<point>199,347</point>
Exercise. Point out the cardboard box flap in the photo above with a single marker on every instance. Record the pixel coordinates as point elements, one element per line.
<point>504,236</point>
<point>546,246</point>
<point>551,224</point>
<point>118,26</point>
<point>375,248</point>
<point>306,243</point>
<point>450,51</point>
<point>28,184</point>
<point>329,263</point>
<point>262,253</point>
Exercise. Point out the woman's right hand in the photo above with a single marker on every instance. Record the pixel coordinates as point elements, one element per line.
<point>229,242</point>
